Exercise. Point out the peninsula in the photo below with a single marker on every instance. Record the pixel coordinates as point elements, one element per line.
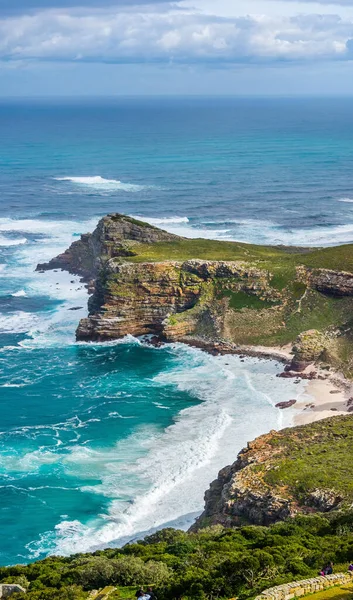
<point>223,296</point>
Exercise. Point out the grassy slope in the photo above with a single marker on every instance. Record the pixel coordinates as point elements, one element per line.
<point>274,327</point>
<point>316,456</point>
<point>340,257</point>
<point>342,592</point>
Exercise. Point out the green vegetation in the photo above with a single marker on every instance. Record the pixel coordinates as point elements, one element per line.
<point>281,261</point>
<point>239,300</point>
<point>299,309</point>
<point>343,592</point>
<point>313,457</point>
<point>214,563</point>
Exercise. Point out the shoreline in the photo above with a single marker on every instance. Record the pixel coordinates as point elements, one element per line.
<point>327,394</point>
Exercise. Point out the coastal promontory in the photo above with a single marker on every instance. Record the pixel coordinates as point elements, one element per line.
<point>217,294</point>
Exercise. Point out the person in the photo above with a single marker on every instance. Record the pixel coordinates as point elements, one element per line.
<point>151,593</point>
<point>141,595</point>
<point>329,569</point>
<point>350,568</point>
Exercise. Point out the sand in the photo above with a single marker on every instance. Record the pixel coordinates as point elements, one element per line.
<point>328,395</point>
<point>324,398</point>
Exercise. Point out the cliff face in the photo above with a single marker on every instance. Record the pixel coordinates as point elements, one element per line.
<point>283,473</point>
<point>146,298</point>
<point>146,281</point>
<point>327,281</point>
<point>114,236</point>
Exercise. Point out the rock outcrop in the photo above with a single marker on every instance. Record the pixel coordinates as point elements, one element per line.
<point>308,348</point>
<point>327,281</point>
<point>147,281</point>
<point>114,236</point>
<point>146,298</point>
<point>280,474</point>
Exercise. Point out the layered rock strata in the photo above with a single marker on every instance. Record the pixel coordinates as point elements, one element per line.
<point>138,288</point>
<point>143,298</point>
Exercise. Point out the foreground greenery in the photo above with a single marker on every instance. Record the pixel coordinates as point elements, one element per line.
<point>213,563</point>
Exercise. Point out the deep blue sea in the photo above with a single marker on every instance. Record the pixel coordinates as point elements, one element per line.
<point>100,443</point>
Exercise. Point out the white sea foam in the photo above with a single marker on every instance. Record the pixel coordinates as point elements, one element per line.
<point>348,200</point>
<point>162,220</point>
<point>17,322</point>
<point>154,477</point>
<point>12,242</point>
<point>262,232</point>
<point>19,294</point>
<point>99,183</point>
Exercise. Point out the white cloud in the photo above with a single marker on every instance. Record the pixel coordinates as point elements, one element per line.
<point>152,35</point>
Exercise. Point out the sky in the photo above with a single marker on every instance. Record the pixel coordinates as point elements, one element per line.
<point>138,47</point>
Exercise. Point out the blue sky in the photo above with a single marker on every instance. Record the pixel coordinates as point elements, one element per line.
<point>103,47</point>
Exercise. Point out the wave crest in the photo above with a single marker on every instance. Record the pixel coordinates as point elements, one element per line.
<point>100,183</point>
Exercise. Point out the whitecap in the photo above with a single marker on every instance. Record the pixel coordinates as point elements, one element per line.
<point>348,200</point>
<point>162,220</point>
<point>12,242</point>
<point>100,183</point>
<point>19,294</point>
<point>18,322</point>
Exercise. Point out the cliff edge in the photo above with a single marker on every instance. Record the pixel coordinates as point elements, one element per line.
<point>298,470</point>
<point>144,280</point>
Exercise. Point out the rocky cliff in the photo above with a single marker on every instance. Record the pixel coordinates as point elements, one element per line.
<point>114,236</point>
<point>146,298</point>
<point>298,470</point>
<point>146,281</point>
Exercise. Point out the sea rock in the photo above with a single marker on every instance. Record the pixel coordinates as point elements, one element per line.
<point>293,375</point>
<point>287,404</point>
<point>308,348</point>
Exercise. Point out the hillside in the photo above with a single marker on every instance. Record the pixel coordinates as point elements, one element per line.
<point>280,474</point>
<point>146,281</point>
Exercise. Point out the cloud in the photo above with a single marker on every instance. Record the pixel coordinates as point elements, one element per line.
<point>324,2</point>
<point>150,36</point>
<point>8,7</point>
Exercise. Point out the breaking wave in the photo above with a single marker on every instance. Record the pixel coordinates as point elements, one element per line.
<point>162,220</point>
<point>100,183</point>
<point>12,242</point>
<point>254,231</point>
<point>155,485</point>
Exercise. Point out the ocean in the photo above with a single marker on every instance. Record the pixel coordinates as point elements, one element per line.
<point>101,443</point>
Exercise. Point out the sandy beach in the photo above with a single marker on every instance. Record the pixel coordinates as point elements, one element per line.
<point>327,395</point>
<point>324,398</point>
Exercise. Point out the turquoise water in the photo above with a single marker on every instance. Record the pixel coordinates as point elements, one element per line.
<point>100,443</point>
